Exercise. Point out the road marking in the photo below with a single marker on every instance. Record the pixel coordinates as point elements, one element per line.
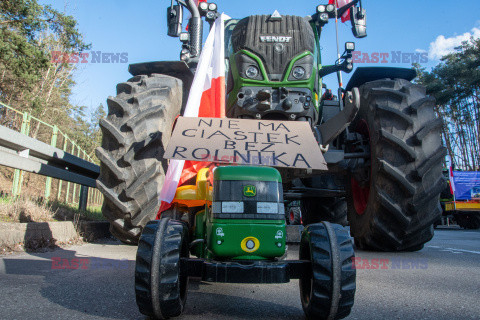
<point>462,250</point>
<point>453,249</point>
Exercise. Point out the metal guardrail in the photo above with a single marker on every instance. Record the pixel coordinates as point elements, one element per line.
<point>21,152</point>
<point>46,135</point>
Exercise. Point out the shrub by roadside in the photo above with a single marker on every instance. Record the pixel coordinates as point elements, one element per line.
<point>28,210</point>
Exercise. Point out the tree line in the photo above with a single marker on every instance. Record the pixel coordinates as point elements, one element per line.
<point>455,84</point>
<point>31,81</point>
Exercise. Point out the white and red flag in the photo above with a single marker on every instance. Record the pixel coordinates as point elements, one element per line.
<point>452,180</point>
<point>339,4</point>
<point>206,99</point>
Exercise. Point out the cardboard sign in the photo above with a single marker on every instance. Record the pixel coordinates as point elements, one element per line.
<point>288,144</point>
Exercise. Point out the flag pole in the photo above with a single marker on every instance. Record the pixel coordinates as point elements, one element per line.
<point>339,73</point>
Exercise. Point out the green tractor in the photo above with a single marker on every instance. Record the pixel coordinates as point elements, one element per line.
<point>380,136</point>
<point>236,229</point>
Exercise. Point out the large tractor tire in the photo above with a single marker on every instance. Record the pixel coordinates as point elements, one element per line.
<point>315,210</point>
<point>327,292</point>
<point>135,134</point>
<point>160,285</point>
<point>394,200</point>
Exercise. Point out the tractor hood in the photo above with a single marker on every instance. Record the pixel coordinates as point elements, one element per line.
<point>275,39</point>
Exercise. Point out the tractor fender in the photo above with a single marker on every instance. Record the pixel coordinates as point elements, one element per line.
<point>177,69</point>
<point>366,74</point>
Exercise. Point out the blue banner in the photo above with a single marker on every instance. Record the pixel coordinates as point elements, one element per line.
<point>467,185</point>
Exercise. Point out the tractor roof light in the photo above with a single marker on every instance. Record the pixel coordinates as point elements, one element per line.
<point>330,8</point>
<point>210,15</point>
<point>324,17</point>
<point>349,46</point>
<point>321,9</point>
<point>203,6</point>
<point>212,7</point>
<point>184,37</point>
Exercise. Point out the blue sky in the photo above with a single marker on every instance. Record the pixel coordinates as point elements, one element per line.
<point>138,28</point>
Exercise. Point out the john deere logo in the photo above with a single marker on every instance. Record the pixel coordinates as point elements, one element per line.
<point>249,191</point>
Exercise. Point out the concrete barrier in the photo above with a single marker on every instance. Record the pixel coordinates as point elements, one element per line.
<point>64,231</point>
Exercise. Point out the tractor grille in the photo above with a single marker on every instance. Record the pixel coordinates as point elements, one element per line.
<point>276,54</point>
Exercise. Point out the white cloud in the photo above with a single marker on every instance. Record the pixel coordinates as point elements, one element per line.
<point>443,46</point>
<point>420,50</point>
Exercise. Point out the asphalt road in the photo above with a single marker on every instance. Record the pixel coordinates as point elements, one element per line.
<point>442,281</point>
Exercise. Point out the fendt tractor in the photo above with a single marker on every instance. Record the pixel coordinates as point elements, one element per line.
<point>379,137</point>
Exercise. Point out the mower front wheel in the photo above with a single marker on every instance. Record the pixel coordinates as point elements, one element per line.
<point>328,291</point>
<point>160,287</point>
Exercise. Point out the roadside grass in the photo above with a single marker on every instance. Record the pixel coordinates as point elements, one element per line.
<point>33,210</point>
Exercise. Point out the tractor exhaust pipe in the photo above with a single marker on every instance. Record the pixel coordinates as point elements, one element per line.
<point>195,29</point>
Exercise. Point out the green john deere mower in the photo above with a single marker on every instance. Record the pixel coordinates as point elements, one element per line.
<point>236,230</point>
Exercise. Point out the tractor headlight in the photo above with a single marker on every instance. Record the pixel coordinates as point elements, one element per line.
<point>248,68</point>
<point>210,15</point>
<point>203,6</point>
<point>321,9</point>
<point>330,8</point>
<point>298,73</point>
<point>251,72</point>
<point>324,17</point>
<point>267,207</point>
<point>302,69</point>
<point>212,7</point>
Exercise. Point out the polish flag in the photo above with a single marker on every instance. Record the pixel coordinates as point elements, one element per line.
<point>339,4</point>
<point>452,180</point>
<point>206,99</point>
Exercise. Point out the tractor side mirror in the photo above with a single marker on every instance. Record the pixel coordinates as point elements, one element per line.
<point>174,20</point>
<point>358,18</point>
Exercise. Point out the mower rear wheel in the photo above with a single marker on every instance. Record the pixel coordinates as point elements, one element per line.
<point>328,292</point>
<point>394,200</point>
<point>160,287</point>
